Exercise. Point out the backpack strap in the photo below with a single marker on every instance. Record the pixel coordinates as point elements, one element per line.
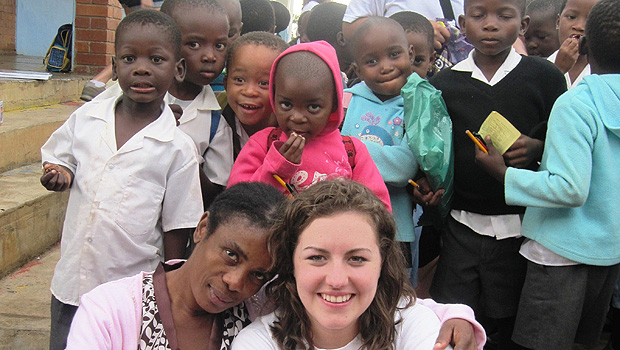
<point>215,123</point>
<point>349,146</point>
<point>446,8</point>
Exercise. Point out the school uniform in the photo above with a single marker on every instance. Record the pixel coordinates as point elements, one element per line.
<point>479,264</point>
<point>121,201</point>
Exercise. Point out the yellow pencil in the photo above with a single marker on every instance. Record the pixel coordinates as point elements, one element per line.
<point>284,184</point>
<point>414,184</point>
<point>476,141</point>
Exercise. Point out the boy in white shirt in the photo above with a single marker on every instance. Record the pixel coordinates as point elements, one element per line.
<point>133,174</point>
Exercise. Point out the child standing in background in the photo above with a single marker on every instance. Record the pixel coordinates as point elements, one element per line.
<point>571,220</point>
<point>133,174</point>
<point>382,59</point>
<point>541,37</point>
<point>571,26</point>
<point>204,44</point>
<point>421,36</point>
<point>307,147</point>
<point>479,263</point>
<point>247,85</point>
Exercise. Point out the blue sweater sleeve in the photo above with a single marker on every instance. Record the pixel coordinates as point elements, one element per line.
<point>396,163</point>
<point>563,179</point>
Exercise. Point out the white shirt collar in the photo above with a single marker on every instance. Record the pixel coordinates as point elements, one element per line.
<point>161,129</point>
<point>468,65</point>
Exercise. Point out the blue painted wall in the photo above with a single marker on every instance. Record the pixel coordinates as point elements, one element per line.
<point>37,22</point>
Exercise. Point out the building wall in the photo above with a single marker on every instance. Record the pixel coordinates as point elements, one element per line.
<point>95,24</point>
<point>7,26</point>
<point>37,23</point>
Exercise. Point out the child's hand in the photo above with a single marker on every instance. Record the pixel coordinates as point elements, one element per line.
<point>457,332</point>
<point>293,148</point>
<point>177,111</point>
<point>430,198</point>
<point>568,54</point>
<point>56,177</point>
<point>523,152</point>
<point>442,34</point>
<point>492,162</point>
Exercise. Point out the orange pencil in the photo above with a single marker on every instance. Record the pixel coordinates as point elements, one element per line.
<point>476,141</point>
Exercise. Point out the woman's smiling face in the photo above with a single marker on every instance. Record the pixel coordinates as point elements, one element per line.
<point>337,263</point>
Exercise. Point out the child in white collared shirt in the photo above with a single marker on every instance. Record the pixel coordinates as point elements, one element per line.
<point>133,175</point>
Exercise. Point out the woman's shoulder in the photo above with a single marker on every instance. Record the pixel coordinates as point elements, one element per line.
<point>418,327</point>
<point>257,335</point>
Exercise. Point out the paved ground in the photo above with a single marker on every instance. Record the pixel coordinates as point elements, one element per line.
<point>25,303</point>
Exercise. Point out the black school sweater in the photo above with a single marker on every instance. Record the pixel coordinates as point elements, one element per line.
<point>524,96</point>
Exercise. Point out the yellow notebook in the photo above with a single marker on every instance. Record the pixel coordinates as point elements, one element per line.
<point>503,134</point>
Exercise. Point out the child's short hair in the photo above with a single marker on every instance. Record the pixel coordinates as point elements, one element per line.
<point>325,21</point>
<point>368,25</point>
<point>257,16</point>
<point>282,16</point>
<point>170,6</point>
<point>541,6</point>
<point>603,34</point>
<point>520,3</point>
<point>274,42</point>
<point>169,29</point>
<point>416,23</point>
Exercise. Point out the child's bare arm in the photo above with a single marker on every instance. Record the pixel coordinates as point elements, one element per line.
<point>56,177</point>
<point>293,148</point>
<point>523,152</point>
<point>567,55</point>
<point>175,243</point>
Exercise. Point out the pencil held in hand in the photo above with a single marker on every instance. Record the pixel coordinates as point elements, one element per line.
<point>478,142</point>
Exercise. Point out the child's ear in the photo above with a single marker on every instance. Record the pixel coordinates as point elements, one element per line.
<point>432,58</point>
<point>525,22</point>
<point>356,69</point>
<point>340,39</point>
<point>462,24</point>
<point>583,45</point>
<point>181,68</point>
<point>201,229</point>
<point>411,52</point>
<point>114,75</point>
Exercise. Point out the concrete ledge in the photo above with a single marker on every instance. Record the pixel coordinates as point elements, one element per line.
<point>24,132</point>
<point>19,94</point>
<point>31,217</point>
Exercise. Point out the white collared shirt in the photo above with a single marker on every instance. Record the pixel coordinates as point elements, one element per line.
<point>469,65</point>
<point>571,84</point>
<point>121,201</point>
<point>498,226</point>
<point>217,154</point>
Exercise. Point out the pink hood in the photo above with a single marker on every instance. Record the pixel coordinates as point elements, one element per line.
<point>327,53</point>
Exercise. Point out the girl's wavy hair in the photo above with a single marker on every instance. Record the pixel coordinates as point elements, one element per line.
<point>377,324</point>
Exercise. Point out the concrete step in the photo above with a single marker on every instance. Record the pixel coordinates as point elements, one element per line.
<point>24,132</point>
<point>20,94</point>
<point>25,303</point>
<point>31,217</point>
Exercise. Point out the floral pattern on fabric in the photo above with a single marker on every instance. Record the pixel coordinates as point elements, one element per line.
<point>235,319</point>
<point>152,334</point>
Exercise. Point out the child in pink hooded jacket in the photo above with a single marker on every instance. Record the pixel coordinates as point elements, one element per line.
<point>307,147</point>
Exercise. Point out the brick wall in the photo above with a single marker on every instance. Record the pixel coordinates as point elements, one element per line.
<point>95,22</point>
<point>7,26</point>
